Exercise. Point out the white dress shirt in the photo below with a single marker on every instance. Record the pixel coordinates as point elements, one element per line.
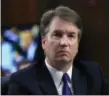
<point>57,77</point>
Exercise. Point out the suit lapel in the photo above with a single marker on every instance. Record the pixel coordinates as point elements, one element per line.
<point>79,82</point>
<point>45,80</point>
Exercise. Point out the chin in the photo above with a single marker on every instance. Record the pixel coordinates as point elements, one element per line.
<point>63,60</point>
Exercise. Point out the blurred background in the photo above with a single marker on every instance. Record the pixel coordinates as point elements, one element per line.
<point>20,21</point>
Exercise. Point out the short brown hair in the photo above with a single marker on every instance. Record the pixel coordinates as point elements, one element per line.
<point>62,12</point>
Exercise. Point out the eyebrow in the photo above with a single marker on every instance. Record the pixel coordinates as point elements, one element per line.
<point>60,31</point>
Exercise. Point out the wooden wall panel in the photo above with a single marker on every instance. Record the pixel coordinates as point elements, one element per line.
<point>19,12</point>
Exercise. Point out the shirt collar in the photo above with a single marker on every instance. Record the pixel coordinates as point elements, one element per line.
<point>57,75</point>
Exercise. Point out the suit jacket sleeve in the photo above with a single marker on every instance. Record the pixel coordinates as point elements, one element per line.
<point>4,85</point>
<point>15,89</point>
<point>105,85</point>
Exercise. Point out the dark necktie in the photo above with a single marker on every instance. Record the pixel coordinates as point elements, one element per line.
<point>66,90</point>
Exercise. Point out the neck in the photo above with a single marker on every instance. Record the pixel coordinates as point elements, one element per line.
<point>61,66</point>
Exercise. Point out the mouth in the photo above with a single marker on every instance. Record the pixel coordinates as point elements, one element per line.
<point>63,52</point>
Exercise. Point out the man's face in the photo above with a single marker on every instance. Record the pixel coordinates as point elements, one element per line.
<point>61,42</point>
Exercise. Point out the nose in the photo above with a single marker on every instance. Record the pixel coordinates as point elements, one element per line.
<point>64,41</point>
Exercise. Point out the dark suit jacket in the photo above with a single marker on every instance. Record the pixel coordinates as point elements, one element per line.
<point>36,80</point>
<point>4,85</point>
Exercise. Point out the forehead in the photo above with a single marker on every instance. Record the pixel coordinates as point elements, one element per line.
<point>63,25</point>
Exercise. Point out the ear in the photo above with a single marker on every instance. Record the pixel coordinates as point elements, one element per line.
<point>43,42</point>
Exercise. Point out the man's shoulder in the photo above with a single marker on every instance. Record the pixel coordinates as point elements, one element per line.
<point>86,64</point>
<point>89,64</point>
<point>24,74</point>
<point>90,67</point>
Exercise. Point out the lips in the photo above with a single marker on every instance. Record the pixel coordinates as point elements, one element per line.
<point>63,52</point>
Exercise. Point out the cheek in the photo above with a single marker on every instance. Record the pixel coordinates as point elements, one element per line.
<point>74,47</point>
<point>50,46</point>
<point>53,46</point>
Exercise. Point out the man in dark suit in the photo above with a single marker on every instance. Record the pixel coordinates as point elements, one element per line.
<point>60,72</point>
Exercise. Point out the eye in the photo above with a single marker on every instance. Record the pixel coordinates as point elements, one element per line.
<point>57,34</point>
<point>71,35</point>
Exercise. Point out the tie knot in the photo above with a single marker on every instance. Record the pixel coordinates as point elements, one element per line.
<point>65,77</point>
